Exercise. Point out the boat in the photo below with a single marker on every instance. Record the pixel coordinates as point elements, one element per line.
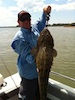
<point>56,91</point>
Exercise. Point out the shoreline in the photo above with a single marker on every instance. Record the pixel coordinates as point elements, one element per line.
<point>48,26</point>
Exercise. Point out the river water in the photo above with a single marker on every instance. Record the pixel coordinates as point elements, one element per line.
<point>64,63</point>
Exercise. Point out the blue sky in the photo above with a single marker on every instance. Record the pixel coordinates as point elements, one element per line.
<point>63,11</point>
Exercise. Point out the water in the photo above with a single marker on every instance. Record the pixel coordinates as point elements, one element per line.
<point>64,63</point>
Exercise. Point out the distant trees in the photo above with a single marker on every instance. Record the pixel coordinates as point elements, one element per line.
<point>59,24</point>
<point>62,24</point>
<point>73,24</point>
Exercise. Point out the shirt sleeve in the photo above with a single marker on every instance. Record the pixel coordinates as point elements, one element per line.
<point>40,24</point>
<point>23,49</point>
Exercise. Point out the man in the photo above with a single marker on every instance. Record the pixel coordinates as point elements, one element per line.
<point>23,42</point>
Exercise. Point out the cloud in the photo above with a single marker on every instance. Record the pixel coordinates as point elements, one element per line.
<point>35,5</point>
<point>56,0</point>
<point>0,2</point>
<point>8,15</point>
<point>64,7</point>
<point>71,0</point>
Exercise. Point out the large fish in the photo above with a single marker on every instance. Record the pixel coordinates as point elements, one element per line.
<point>44,53</point>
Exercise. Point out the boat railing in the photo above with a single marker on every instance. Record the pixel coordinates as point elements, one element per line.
<point>64,76</point>
<point>60,91</point>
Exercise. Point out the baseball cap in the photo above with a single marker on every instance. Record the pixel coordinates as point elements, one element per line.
<point>23,15</point>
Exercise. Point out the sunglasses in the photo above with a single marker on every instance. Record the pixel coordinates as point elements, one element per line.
<point>25,19</point>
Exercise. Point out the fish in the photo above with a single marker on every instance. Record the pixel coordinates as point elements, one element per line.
<point>43,54</point>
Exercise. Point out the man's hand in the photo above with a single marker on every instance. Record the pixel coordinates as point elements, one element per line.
<point>47,9</point>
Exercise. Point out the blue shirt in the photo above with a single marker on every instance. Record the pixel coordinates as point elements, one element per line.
<point>22,44</point>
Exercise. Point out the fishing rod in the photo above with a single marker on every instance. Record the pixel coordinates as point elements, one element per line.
<point>7,71</point>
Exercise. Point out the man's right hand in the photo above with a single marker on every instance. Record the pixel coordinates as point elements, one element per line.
<point>47,9</point>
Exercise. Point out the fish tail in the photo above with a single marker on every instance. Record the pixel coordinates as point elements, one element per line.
<point>43,84</point>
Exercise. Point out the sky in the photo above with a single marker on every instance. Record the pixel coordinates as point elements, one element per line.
<point>63,11</point>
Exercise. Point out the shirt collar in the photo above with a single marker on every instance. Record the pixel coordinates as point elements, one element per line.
<point>24,29</point>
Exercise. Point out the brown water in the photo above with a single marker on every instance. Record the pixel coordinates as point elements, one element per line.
<point>64,63</point>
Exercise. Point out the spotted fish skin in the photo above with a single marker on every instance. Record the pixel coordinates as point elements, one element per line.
<point>44,60</point>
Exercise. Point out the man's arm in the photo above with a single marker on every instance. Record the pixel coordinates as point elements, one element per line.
<point>39,26</point>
